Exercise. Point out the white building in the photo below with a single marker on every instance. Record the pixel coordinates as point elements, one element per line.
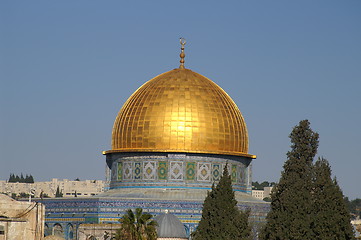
<point>258,194</point>
<point>67,187</point>
<point>261,194</point>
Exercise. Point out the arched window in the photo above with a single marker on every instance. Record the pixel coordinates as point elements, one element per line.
<point>70,232</point>
<point>187,230</point>
<point>58,230</point>
<point>47,230</point>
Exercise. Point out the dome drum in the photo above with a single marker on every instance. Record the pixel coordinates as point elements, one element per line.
<point>176,170</point>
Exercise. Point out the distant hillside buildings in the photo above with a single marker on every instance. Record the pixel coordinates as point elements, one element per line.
<point>81,188</point>
<point>67,187</point>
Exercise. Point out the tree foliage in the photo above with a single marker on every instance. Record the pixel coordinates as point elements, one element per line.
<point>221,218</point>
<point>306,203</point>
<point>354,207</point>
<point>260,186</point>
<point>24,195</point>
<point>44,195</point>
<point>15,178</point>
<point>137,226</point>
<point>331,218</point>
<point>290,215</point>
<point>58,192</point>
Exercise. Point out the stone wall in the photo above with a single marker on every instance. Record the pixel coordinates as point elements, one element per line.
<point>21,220</point>
<point>67,187</point>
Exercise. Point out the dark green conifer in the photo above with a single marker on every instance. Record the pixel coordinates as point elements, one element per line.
<point>291,206</point>
<point>16,179</point>
<point>24,195</point>
<point>44,195</point>
<point>221,218</point>
<point>331,218</point>
<point>31,179</point>
<point>354,207</point>
<point>58,192</point>
<point>12,177</point>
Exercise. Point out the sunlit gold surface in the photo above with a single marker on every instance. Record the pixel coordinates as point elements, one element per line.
<point>180,111</point>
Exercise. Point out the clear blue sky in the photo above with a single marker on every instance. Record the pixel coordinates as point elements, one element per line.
<point>66,68</point>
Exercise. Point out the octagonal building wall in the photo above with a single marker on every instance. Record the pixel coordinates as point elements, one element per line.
<point>177,170</point>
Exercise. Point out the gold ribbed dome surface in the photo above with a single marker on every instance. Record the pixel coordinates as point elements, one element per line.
<point>180,111</point>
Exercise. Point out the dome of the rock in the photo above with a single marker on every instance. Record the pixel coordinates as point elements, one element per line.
<point>171,142</point>
<point>180,111</point>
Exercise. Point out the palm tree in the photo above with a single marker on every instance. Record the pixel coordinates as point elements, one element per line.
<point>137,226</point>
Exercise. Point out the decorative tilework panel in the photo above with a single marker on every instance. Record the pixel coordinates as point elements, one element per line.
<point>246,176</point>
<point>241,175</point>
<point>234,173</point>
<point>190,170</point>
<point>176,170</point>
<point>120,171</point>
<point>204,172</point>
<point>249,176</point>
<point>216,172</point>
<point>137,170</point>
<point>149,170</point>
<point>114,171</point>
<point>127,171</point>
<point>162,170</point>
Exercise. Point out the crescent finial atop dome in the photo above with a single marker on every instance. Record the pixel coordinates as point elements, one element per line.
<point>182,54</point>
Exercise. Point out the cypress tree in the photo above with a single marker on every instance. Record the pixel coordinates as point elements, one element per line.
<point>31,179</point>
<point>291,206</point>
<point>58,193</point>
<point>16,179</point>
<point>26,179</point>
<point>11,178</point>
<point>221,218</point>
<point>331,218</point>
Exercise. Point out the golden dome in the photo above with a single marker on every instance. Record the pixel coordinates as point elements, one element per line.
<point>180,111</point>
